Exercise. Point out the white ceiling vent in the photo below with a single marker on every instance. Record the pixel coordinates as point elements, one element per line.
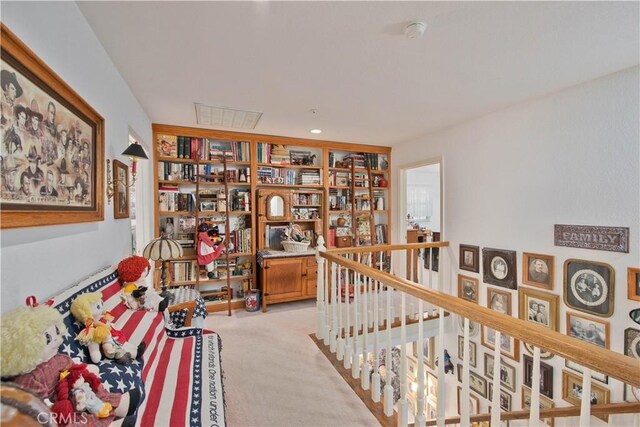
<point>226,117</point>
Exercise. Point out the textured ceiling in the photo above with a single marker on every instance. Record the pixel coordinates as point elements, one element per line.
<point>351,61</point>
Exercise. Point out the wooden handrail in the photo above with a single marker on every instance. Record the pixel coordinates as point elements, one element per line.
<point>570,411</point>
<point>616,365</point>
<point>386,248</point>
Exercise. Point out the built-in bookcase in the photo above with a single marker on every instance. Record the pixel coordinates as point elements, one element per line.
<point>190,189</point>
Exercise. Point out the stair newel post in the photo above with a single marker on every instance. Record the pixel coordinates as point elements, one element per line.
<point>585,400</point>
<point>343,280</point>
<point>403,404</point>
<point>364,378</point>
<point>388,360</point>
<point>375,378</point>
<point>495,404</point>
<point>320,330</point>
<point>465,419</point>
<point>440,406</point>
<point>534,410</point>
<point>334,304</point>
<point>355,363</point>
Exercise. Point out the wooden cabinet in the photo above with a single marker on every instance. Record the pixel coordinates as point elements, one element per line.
<point>286,279</point>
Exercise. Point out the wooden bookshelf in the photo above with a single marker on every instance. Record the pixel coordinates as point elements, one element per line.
<point>321,148</point>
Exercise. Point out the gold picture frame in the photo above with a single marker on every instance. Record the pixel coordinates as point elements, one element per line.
<point>53,140</point>
<point>572,389</point>
<point>633,283</point>
<point>121,190</point>
<point>538,270</point>
<point>545,305</point>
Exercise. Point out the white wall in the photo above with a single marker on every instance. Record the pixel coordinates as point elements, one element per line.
<point>571,157</point>
<point>42,260</point>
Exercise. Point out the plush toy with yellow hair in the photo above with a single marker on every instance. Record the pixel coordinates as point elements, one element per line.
<point>99,335</point>
<point>30,338</point>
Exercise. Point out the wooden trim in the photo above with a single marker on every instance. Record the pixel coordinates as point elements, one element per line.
<point>376,408</point>
<point>384,248</point>
<point>270,139</point>
<point>35,218</point>
<point>614,364</point>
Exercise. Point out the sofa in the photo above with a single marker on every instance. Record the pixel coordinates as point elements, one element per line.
<point>180,372</point>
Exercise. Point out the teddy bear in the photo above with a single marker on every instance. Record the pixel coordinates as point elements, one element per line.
<point>133,272</point>
<point>98,333</point>
<point>30,339</point>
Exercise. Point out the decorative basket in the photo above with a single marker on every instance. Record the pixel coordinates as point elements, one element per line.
<point>291,246</point>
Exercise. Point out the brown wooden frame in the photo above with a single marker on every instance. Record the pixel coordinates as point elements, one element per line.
<point>476,284</point>
<point>285,196</point>
<point>526,260</point>
<point>607,327</point>
<point>118,165</point>
<point>632,278</point>
<point>510,281</point>
<point>475,263</point>
<point>552,299</point>
<point>488,361</point>
<point>476,403</point>
<point>53,84</point>
<point>546,374</point>
<point>473,354</point>
<point>569,379</point>
<point>549,403</point>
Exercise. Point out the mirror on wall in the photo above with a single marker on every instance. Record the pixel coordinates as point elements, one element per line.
<point>277,207</point>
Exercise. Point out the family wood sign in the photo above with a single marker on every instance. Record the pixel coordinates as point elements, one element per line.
<point>615,239</point>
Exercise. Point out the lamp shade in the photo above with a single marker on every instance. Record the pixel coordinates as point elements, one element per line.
<point>136,151</point>
<point>162,249</point>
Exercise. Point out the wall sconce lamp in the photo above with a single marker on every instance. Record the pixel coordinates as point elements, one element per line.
<point>134,152</point>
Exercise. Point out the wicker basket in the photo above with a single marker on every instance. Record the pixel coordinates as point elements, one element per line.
<point>291,246</point>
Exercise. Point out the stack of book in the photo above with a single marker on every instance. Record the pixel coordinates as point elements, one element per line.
<point>172,200</point>
<point>381,234</point>
<point>309,177</point>
<point>184,271</point>
<point>267,175</point>
<point>306,199</point>
<point>280,155</point>
<point>186,231</point>
<point>241,240</point>
<point>339,202</point>
<point>356,158</point>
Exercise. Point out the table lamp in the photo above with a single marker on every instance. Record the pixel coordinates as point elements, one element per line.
<point>163,249</point>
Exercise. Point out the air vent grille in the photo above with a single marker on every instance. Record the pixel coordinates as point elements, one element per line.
<point>226,117</point>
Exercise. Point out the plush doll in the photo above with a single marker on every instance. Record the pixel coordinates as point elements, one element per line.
<point>209,249</point>
<point>81,385</point>
<point>30,338</point>
<point>99,335</point>
<point>134,294</point>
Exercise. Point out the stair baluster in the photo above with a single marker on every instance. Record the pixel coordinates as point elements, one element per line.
<point>465,410</point>
<point>585,401</point>
<point>375,378</point>
<point>420,417</point>
<point>348,338</point>
<point>320,303</point>
<point>534,414</point>
<point>343,280</point>
<point>334,313</point>
<point>388,389</point>
<point>364,382</point>
<point>495,404</point>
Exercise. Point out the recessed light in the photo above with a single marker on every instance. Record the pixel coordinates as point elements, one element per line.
<point>316,131</point>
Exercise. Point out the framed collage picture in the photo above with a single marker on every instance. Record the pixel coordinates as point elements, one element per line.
<point>589,286</point>
<point>53,145</point>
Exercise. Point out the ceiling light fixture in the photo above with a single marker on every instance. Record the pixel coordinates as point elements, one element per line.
<point>415,29</point>
<point>316,131</point>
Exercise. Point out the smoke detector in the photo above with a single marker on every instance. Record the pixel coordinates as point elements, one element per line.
<point>415,29</point>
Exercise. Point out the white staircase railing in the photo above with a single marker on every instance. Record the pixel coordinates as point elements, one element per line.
<point>357,301</point>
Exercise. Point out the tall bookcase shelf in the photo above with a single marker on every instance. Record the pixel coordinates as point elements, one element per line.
<point>255,161</point>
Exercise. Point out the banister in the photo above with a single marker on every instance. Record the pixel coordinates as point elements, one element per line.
<point>386,248</point>
<point>616,365</point>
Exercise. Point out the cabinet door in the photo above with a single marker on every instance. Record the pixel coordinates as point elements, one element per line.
<point>311,276</point>
<point>283,279</point>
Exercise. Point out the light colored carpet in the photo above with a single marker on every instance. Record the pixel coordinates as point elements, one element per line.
<point>276,376</point>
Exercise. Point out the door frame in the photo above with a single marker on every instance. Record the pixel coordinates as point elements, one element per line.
<point>401,217</point>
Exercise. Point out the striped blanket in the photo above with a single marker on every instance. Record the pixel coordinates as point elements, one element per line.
<point>180,373</point>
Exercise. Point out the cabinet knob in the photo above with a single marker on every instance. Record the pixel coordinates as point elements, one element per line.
<point>304,274</point>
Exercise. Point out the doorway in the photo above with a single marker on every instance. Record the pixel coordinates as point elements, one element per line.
<point>421,204</point>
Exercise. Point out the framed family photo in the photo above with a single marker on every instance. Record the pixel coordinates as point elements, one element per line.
<point>546,376</point>
<point>633,282</point>
<point>499,268</point>
<point>478,384</point>
<point>474,327</point>
<point>589,286</point>
<point>545,403</point>
<point>499,301</point>
<point>572,392</point>
<point>469,258</point>
<point>505,399</point>
<point>52,144</point>
<point>537,270</point>
<point>541,308</point>
<point>121,186</point>
<point>507,372</point>
<point>509,346</point>
<point>468,288</point>
<point>589,329</point>
<point>474,403</point>
<point>594,374</point>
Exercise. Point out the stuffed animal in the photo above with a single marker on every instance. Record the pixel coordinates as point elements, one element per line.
<point>99,335</point>
<point>80,385</point>
<point>133,272</point>
<point>30,339</point>
<point>209,247</point>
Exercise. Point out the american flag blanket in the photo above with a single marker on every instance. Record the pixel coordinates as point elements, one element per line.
<point>180,373</point>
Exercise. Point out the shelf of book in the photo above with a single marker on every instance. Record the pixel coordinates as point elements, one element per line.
<point>181,152</point>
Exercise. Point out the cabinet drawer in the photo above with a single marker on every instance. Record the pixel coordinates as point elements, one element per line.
<point>343,241</point>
